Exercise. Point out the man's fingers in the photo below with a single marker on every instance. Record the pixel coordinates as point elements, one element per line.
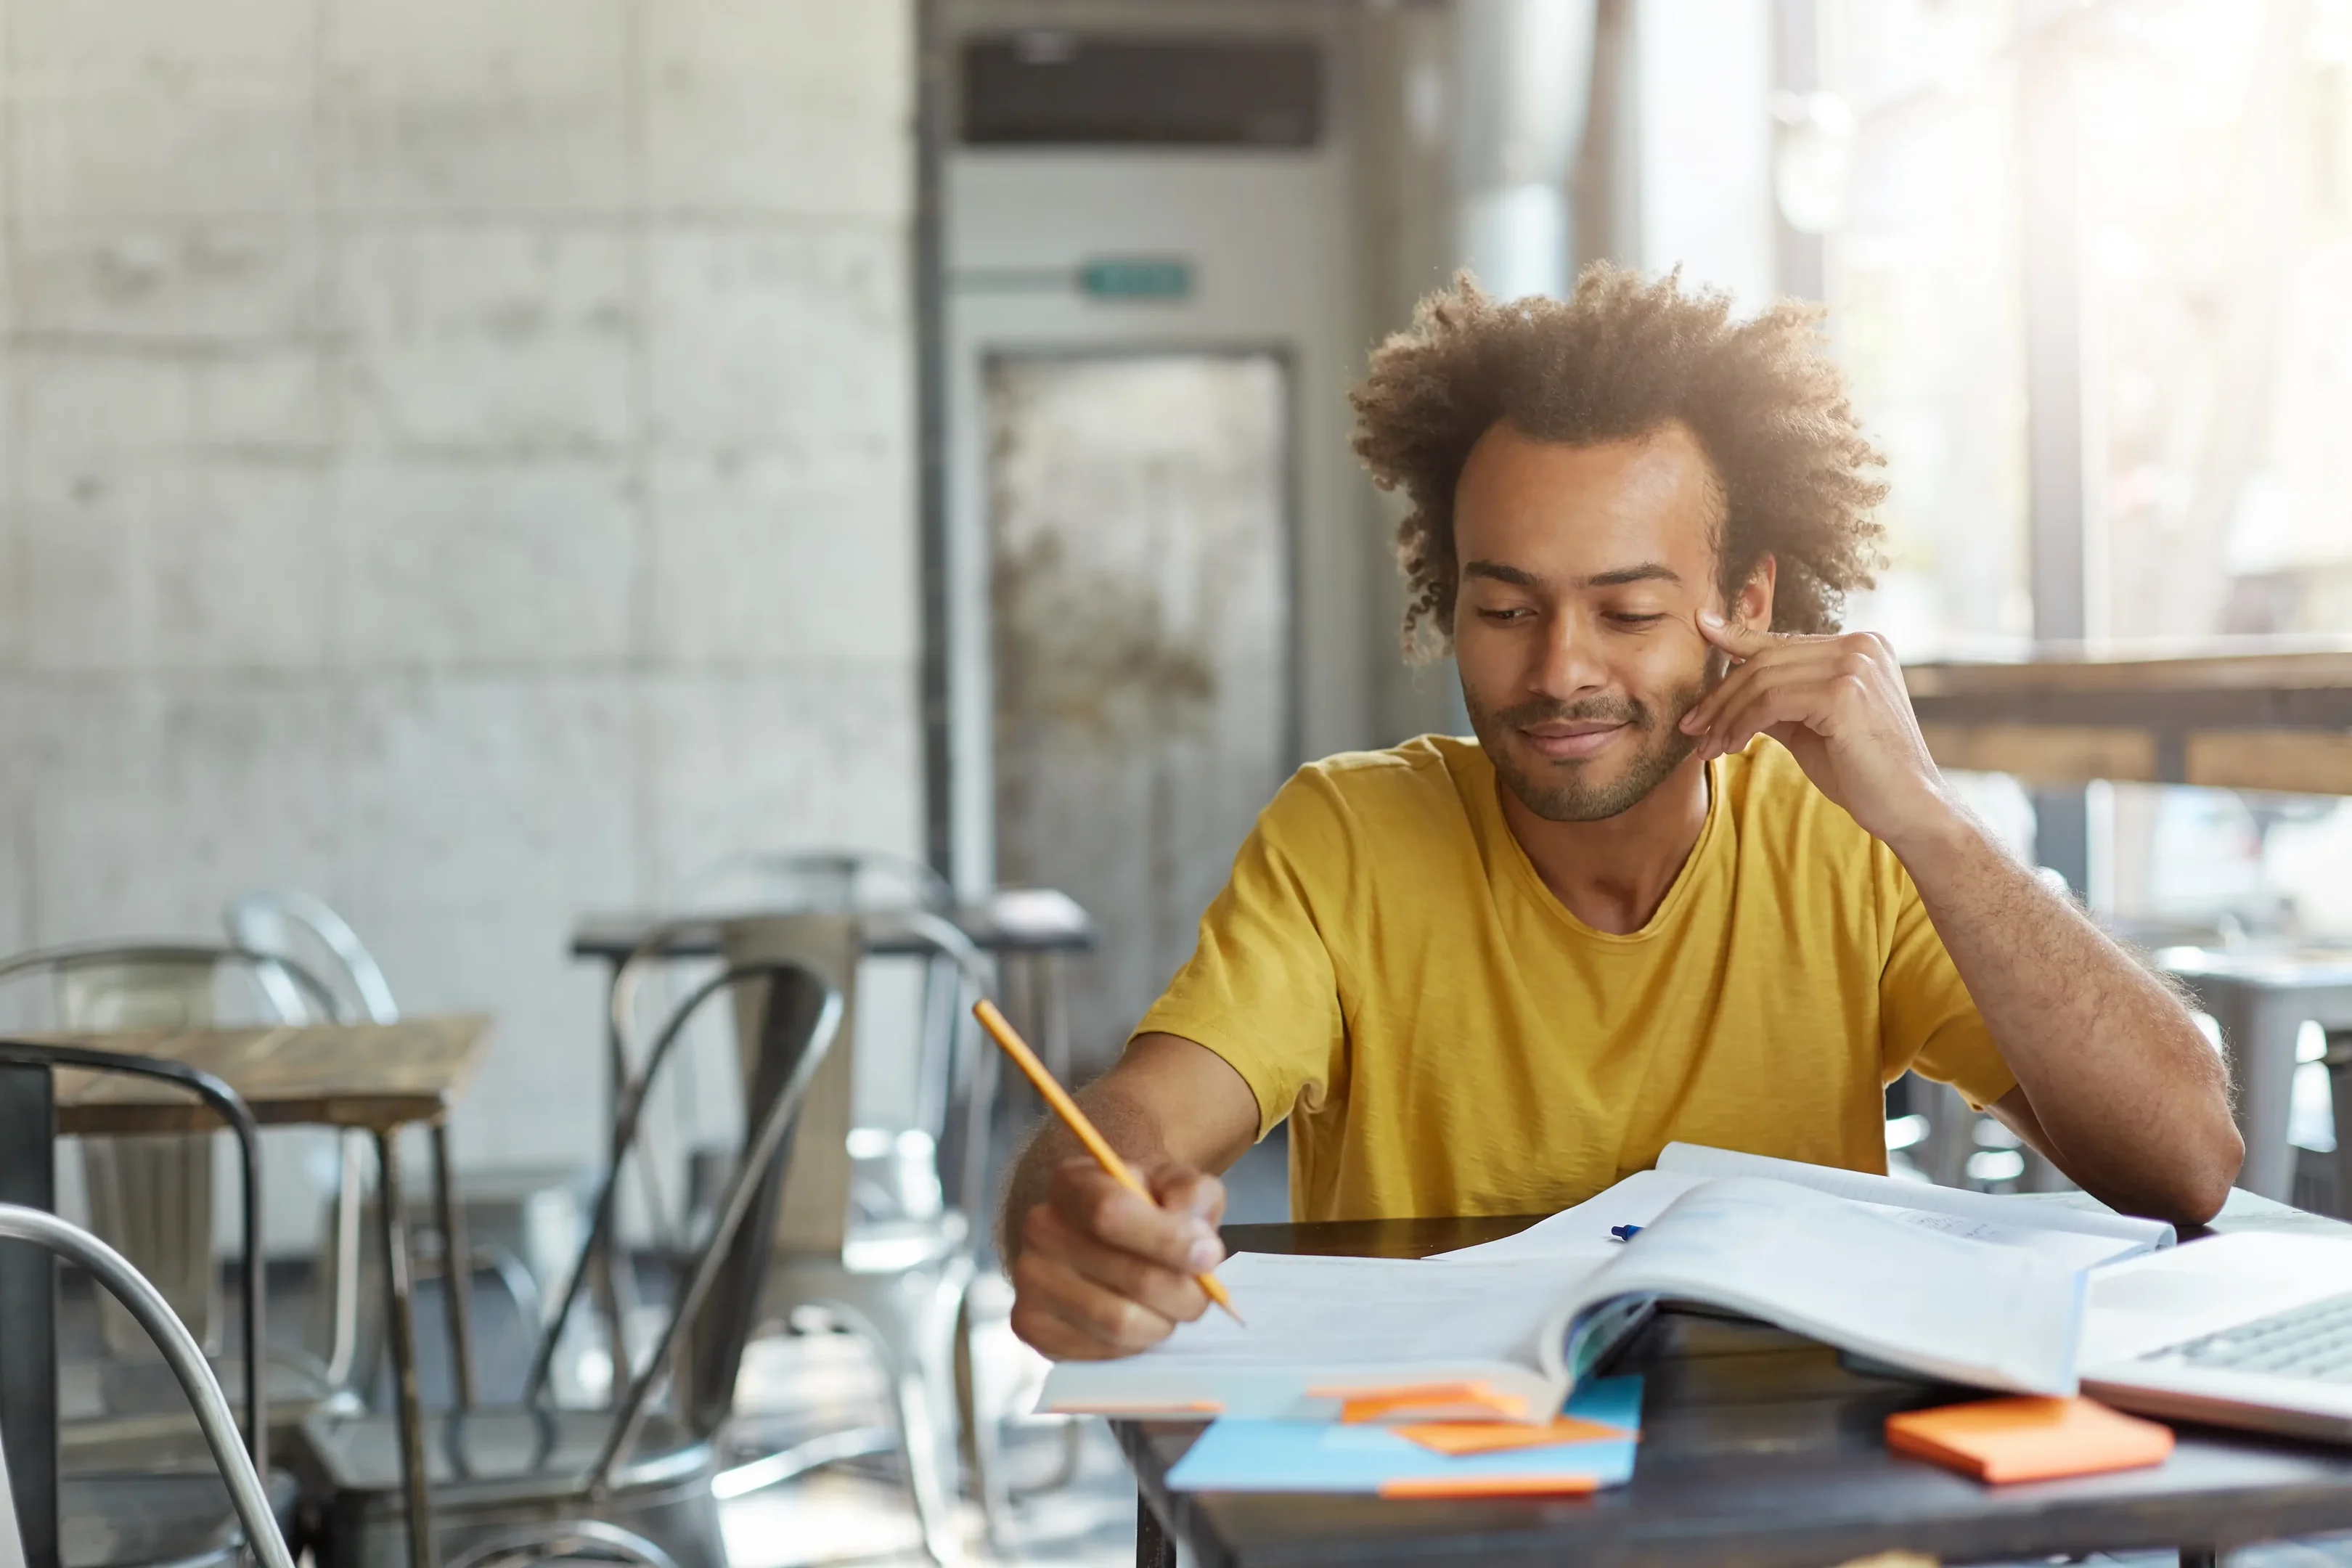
<point>1093,1204</point>
<point>1173,1295</point>
<point>1103,1272</point>
<point>1195,1193</point>
<point>1738,640</point>
<point>1791,700</point>
<point>1054,1301</point>
<point>1741,685</point>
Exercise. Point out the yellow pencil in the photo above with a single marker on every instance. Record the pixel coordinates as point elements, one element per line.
<point>1066,1107</point>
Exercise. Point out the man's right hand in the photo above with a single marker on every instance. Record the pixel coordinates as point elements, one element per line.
<point>1101,1273</point>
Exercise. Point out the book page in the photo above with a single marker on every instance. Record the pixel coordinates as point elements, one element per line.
<point>2073,1248</point>
<point>1320,1324</point>
<point>1583,1231</point>
<point>1944,1305</point>
<point>2016,1212</point>
<point>1388,1313</point>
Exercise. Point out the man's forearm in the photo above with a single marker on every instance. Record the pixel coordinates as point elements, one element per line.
<point>2131,1098</point>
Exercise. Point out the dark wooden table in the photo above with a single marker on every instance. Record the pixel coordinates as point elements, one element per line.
<point>371,1077</point>
<point>1759,1449</point>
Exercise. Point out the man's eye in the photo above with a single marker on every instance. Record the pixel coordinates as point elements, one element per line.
<point>1631,620</point>
<point>1508,614</point>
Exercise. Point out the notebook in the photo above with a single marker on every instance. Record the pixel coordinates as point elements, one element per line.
<point>1603,1422</point>
<point>1509,1338</point>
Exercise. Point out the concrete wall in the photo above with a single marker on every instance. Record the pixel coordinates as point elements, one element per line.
<point>458,461</point>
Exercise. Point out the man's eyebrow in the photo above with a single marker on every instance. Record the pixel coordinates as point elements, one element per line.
<point>1516,576</point>
<point>1647,572</point>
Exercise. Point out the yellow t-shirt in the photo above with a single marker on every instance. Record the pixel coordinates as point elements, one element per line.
<point>1386,968</point>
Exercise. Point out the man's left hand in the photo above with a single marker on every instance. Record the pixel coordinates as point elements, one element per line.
<point>1838,704</point>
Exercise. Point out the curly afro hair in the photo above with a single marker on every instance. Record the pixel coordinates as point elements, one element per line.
<point>1619,358</point>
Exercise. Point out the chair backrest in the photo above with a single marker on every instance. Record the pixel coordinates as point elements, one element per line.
<point>152,1196</point>
<point>813,1216</point>
<point>104,986</point>
<point>231,1109</point>
<point>147,1307</point>
<point>293,927</point>
<point>951,1076</point>
<point>796,1015</point>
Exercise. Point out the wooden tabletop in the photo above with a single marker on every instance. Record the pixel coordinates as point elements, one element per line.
<point>2250,714</point>
<point>1759,1449</point>
<point>371,1077</point>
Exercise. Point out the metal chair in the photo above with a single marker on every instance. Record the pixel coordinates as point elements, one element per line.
<point>896,1271</point>
<point>154,1194</point>
<point>145,1512</point>
<point>247,1497</point>
<point>295,929</point>
<point>530,1481</point>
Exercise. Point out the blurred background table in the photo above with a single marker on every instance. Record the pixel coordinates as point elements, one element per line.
<point>1034,927</point>
<point>371,1077</point>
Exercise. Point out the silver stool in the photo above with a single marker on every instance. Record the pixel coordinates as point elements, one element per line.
<point>2261,1003</point>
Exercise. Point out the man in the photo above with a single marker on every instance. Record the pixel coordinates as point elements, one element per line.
<point>1698,878</point>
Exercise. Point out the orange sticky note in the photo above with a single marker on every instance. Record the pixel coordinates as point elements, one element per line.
<point>1430,1400</point>
<point>1490,1486</point>
<point>1497,1437</point>
<point>2029,1440</point>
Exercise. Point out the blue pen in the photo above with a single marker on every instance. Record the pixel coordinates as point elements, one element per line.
<point>1623,1232</point>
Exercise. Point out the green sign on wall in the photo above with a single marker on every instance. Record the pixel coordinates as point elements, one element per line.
<point>1137,278</point>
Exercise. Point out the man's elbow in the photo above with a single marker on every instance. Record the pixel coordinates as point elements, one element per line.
<point>2202,1175</point>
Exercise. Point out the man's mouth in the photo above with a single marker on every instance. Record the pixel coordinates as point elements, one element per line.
<point>1570,741</point>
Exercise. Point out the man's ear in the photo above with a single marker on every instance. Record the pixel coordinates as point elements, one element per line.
<point>1752,605</point>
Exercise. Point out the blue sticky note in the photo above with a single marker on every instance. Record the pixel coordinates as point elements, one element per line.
<point>1236,1454</point>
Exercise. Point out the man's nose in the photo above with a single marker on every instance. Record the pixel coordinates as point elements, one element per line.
<point>1568,665</point>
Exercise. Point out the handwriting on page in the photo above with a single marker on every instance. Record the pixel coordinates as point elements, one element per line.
<point>1375,1310</point>
<point>2072,1248</point>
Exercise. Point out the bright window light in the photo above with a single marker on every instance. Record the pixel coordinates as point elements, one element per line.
<point>1996,1165</point>
<point>1902,1132</point>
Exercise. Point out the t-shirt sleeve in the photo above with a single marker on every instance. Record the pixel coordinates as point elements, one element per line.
<point>1927,1022</point>
<point>1261,988</point>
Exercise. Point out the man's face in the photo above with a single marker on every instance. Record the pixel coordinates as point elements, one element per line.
<point>1583,571</point>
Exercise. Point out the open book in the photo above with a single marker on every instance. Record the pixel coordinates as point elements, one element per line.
<point>2081,1237</point>
<point>1508,1335</point>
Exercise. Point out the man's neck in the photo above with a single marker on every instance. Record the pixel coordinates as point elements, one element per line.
<point>1615,873</point>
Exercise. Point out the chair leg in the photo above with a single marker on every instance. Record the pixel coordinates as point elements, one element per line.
<point>344,1333</point>
<point>456,1272</point>
<point>979,1433</point>
<point>910,1322</point>
<point>925,1380</point>
<point>922,1434</point>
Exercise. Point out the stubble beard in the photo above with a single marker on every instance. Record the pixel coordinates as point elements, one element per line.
<point>1565,796</point>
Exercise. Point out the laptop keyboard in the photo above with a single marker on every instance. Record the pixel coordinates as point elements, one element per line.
<point>2312,1341</point>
